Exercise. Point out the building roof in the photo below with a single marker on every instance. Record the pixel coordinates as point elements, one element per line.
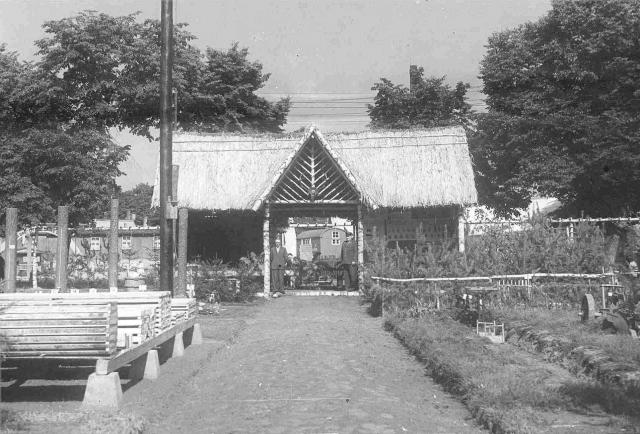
<point>316,233</point>
<point>408,168</point>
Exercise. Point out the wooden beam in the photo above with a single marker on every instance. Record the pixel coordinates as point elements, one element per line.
<point>318,202</point>
<point>113,247</point>
<point>360,240</point>
<point>62,252</point>
<point>183,230</point>
<point>461,234</point>
<point>10,249</point>
<point>105,366</point>
<point>266,249</point>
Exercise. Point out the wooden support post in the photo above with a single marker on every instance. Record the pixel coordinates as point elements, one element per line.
<point>166,145</point>
<point>113,247</point>
<point>267,251</point>
<point>63,248</point>
<point>183,225</point>
<point>461,234</point>
<point>360,241</point>
<point>10,249</point>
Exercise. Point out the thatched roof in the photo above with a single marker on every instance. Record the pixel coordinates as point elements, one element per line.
<point>410,168</point>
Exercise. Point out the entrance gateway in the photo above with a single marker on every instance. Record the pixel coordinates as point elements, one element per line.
<point>401,188</point>
<point>311,181</point>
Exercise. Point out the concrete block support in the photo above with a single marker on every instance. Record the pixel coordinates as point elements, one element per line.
<point>152,366</point>
<point>196,335</point>
<point>178,346</point>
<point>103,391</point>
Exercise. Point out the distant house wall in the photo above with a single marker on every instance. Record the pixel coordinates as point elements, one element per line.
<point>329,248</point>
<point>320,243</point>
<point>143,244</point>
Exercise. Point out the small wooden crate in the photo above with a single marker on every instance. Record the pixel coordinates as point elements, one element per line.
<point>182,309</point>
<point>43,328</point>
<point>135,325</point>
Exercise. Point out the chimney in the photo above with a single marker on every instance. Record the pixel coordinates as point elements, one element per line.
<point>144,221</point>
<point>133,217</point>
<point>128,217</point>
<point>415,77</point>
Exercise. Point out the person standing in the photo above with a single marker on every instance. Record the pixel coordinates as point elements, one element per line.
<point>279,259</point>
<point>349,262</point>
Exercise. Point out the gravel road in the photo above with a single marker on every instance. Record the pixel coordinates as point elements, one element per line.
<point>297,365</point>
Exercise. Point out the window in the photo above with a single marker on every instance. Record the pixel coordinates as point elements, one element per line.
<point>126,242</point>
<point>306,241</point>
<point>95,244</point>
<point>156,242</point>
<point>335,238</point>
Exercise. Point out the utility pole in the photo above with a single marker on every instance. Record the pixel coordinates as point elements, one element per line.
<point>166,118</point>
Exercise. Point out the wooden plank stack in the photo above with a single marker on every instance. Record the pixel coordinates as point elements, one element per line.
<point>47,328</point>
<point>130,306</point>
<point>183,309</point>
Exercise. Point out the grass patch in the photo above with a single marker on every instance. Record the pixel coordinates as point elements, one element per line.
<point>566,324</point>
<point>506,391</point>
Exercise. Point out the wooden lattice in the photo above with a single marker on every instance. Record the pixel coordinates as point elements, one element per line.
<point>314,176</point>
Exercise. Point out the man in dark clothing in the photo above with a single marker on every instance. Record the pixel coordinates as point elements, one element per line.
<point>349,262</point>
<point>279,259</point>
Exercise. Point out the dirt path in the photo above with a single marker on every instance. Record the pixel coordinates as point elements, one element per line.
<point>297,365</point>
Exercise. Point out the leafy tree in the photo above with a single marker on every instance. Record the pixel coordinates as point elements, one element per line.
<point>564,104</point>
<point>428,103</point>
<point>110,68</point>
<point>96,72</point>
<point>138,201</point>
<point>44,168</point>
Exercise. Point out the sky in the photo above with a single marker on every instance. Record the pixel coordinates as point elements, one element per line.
<point>324,54</point>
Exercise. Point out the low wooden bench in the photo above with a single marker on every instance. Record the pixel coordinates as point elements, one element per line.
<point>101,318</point>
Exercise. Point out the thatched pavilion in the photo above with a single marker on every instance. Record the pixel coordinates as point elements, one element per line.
<point>401,185</point>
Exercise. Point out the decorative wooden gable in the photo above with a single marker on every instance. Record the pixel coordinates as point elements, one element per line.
<point>313,176</point>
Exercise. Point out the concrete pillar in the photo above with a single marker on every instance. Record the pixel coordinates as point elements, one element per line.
<point>10,249</point>
<point>62,252</point>
<point>267,251</point>
<point>113,247</point>
<point>178,345</point>
<point>152,366</point>
<point>196,335</point>
<point>103,391</point>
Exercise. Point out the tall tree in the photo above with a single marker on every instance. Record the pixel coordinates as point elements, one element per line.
<point>110,68</point>
<point>97,72</point>
<point>138,201</point>
<point>564,105</point>
<point>46,160</point>
<point>427,103</point>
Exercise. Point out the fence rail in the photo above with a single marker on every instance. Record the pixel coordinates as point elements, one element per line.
<point>492,278</point>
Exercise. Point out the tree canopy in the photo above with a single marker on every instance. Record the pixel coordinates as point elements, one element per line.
<point>138,201</point>
<point>429,102</point>
<point>564,110</point>
<point>109,68</point>
<point>97,72</point>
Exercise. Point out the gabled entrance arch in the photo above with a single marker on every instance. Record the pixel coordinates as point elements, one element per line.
<point>312,180</point>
